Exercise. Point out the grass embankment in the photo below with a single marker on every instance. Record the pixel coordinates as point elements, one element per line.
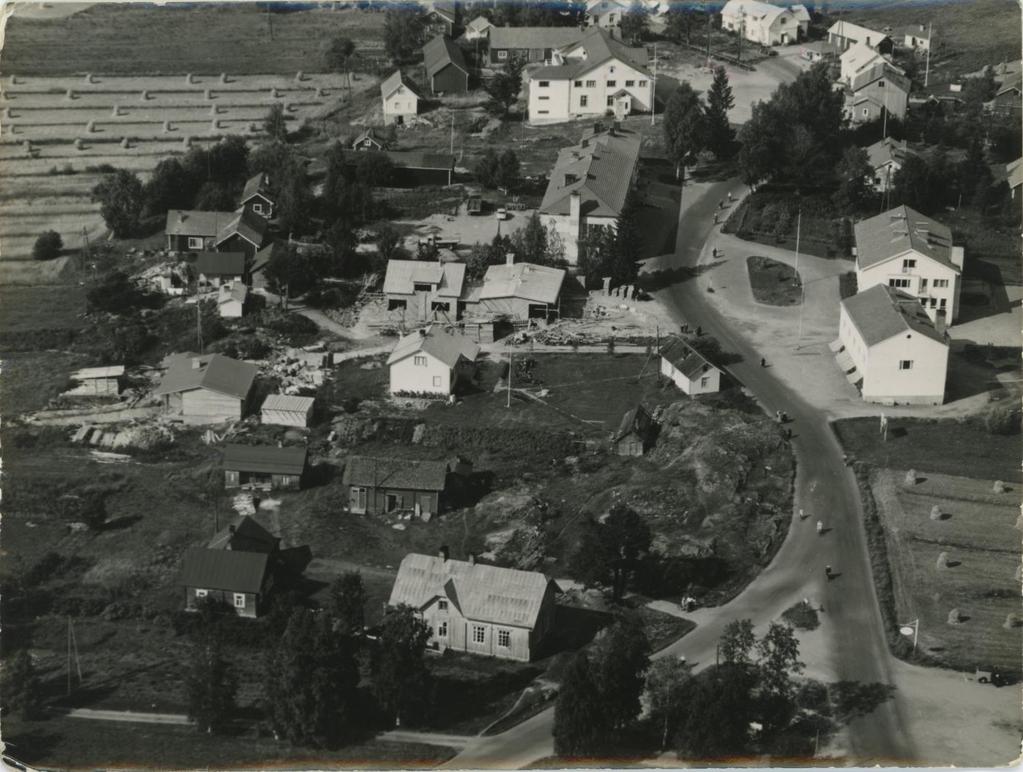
<point>774,283</point>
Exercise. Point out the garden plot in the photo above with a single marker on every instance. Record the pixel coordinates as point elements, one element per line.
<point>974,528</point>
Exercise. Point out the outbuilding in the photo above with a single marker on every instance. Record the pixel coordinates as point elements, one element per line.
<point>263,466</point>
<point>258,197</point>
<point>287,410</point>
<point>445,65</point>
<point>97,381</point>
<point>231,300</point>
<point>395,486</point>
<point>689,369</point>
<point>217,268</point>
<point>635,434</point>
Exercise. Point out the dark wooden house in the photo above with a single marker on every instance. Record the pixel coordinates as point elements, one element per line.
<point>446,70</point>
<point>264,466</point>
<point>241,579</point>
<point>636,433</point>
<point>245,534</point>
<point>257,196</point>
<point>395,485</point>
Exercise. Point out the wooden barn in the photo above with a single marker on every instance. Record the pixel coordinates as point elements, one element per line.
<point>286,410</point>
<point>395,485</point>
<point>446,70</point>
<point>206,388</point>
<point>264,466</point>
<point>97,381</point>
<point>244,232</point>
<point>241,579</point>
<point>635,434</point>
<point>413,168</point>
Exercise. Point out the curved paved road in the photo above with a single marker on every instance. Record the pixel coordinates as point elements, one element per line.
<point>825,487</point>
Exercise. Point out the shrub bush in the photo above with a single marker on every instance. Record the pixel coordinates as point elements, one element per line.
<point>1003,420</point>
<point>47,246</point>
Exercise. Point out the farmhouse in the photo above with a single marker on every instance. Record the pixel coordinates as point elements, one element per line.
<point>857,59</point>
<point>915,37</point>
<point>244,232</point>
<point>413,168</point>
<point>217,268</point>
<point>905,250</point>
<point>590,77</point>
<point>400,98</point>
<point>369,140</point>
<point>606,13</point>
<point>688,369</point>
<point>880,89</point>
<point>530,44</point>
<point>194,231</point>
<point>886,157</point>
<point>845,34</point>
<point>887,341</point>
<point>206,389</point>
<point>257,196</point>
<point>589,184</point>
<point>479,609</point>
<point>231,300</point>
<point>97,381</point>
<point>478,29</point>
<point>519,291</point>
<point>442,17</point>
<point>446,70</point>
<point>240,579</point>
<point>768,25</point>
<point>263,466</point>
<point>431,361</point>
<point>286,410</point>
<point>635,434</point>
<point>426,290</point>
<point>395,485</point>
<point>1008,99</point>
<point>245,534</point>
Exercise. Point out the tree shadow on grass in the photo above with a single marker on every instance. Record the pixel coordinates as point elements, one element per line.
<point>852,699</point>
<point>657,279</point>
<point>28,744</point>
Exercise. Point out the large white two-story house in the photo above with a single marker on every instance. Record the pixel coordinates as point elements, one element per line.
<point>596,75</point>
<point>905,250</point>
<point>763,23</point>
<point>589,184</point>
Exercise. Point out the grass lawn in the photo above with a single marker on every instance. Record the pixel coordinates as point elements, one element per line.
<point>116,39</point>
<point>65,742</point>
<point>769,216</point>
<point>773,283</point>
<point>30,379</point>
<point>992,252</point>
<point>976,531</point>
<point>942,446</point>
<point>41,307</point>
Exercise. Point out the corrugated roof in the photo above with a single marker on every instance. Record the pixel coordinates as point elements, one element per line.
<point>256,185</point>
<point>882,312</point>
<point>92,373</point>
<point>899,230</point>
<point>287,402</point>
<point>419,159</point>
<point>395,79</point>
<point>228,570</point>
<point>244,535</point>
<point>220,263</point>
<point>481,593</point>
<point>403,275</point>
<point>535,283</point>
<point>214,372</point>
<point>399,473</point>
<point>191,222</point>
<point>1014,173</point>
<point>685,358</point>
<point>600,169</point>
<point>534,37</point>
<point>264,459</point>
<point>439,53</point>
<point>449,348</point>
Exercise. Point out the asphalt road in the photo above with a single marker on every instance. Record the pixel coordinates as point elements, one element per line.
<point>825,489</point>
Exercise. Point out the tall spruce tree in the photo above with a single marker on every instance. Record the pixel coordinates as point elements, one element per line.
<point>684,126</point>
<point>620,661</point>
<point>581,724</point>
<point>720,134</point>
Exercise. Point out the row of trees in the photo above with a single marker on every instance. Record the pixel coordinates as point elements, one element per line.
<point>692,125</point>
<point>614,252</point>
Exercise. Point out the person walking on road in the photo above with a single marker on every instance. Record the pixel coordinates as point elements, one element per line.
<point>820,527</point>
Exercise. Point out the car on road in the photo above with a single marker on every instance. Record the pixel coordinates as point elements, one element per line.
<point>501,214</point>
<point>993,677</point>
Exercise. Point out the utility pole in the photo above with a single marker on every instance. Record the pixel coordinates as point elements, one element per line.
<point>802,291</point>
<point>198,321</point>
<point>742,31</point>
<point>653,92</point>
<point>452,132</point>
<point>710,16</point>
<point>930,44</point>
<point>884,119</point>
<point>508,400</point>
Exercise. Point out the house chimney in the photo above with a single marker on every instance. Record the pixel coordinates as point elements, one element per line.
<point>442,553</point>
<point>575,206</point>
<point>509,258</point>
<point>196,364</point>
<point>569,179</point>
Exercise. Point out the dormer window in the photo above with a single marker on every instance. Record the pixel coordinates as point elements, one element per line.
<point>442,605</point>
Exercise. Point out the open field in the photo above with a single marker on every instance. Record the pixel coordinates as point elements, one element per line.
<point>976,531</point>
<point>134,39</point>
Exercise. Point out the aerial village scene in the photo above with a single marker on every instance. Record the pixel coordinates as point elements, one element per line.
<point>506,383</point>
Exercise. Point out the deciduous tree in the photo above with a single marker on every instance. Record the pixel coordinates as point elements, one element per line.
<point>736,642</point>
<point>210,685</point>
<point>21,687</point>
<point>47,246</point>
<point>778,659</point>
<point>401,678</point>
<point>668,686</point>
<point>347,603</point>
<point>338,57</point>
<point>635,23</point>
<point>620,660</point>
<point>580,722</point>
<point>403,34</point>
<point>121,200</point>
<point>505,86</point>
<point>854,175</point>
<point>275,124</point>
<point>684,126</point>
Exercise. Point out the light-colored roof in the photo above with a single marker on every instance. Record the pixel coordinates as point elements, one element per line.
<point>185,222</point>
<point>479,24</point>
<point>92,373</point>
<point>264,459</point>
<point>396,473</point>
<point>763,13</point>
<point>685,358</point>
<point>1014,173</point>
<point>403,275</point>
<point>600,169</point>
<point>899,230</point>
<point>447,347</point>
<point>234,291</point>
<point>210,371</point>
<point>887,151</point>
<point>876,72</point>
<point>527,281</point>
<point>287,402</point>
<point>395,79</point>
<point>882,312</point>
<point>481,593</point>
<point>245,223</point>
<point>440,52</point>
<point>800,12</point>
<point>256,185</point>
<point>534,37</point>
<point>857,32</point>
<point>220,263</point>
<point>858,56</point>
<point>219,569</point>
<point>598,47</point>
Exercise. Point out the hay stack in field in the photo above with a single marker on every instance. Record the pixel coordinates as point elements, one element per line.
<point>998,487</point>
<point>186,142</point>
<point>90,126</point>
<point>189,79</point>
<point>208,94</point>
<point>321,92</point>
<point>955,617</point>
<point>911,477</point>
<point>69,94</point>
<point>253,128</point>
<point>215,125</point>
<point>7,113</point>
<point>214,109</point>
<point>1018,576</point>
<point>223,78</point>
<point>79,144</point>
<point>125,143</point>
<point>935,512</point>
<point>299,76</point>
<point>27,147</point>
<point>116,111</point>
<point>942,561</point>
<point>274,94</point>
<point>14,80</point>
<point>167,127</point>
<point>145,95</point>
<point>89,78</point>
<point>1019,520</point>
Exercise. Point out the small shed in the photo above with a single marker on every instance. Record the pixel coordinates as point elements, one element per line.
<point>286,410</point>
<point>216,268</point>
<point>635,434</point>
<point>369,140</point>
<point>263,466</point>
<point>97,381</point>
<point>688,369</point>
<point>231,300</point>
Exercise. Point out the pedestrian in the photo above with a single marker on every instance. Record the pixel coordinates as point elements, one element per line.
<point>715,218</point>
<point>699,331</point>
<point>827,572</point>
<point>777,416</point>
<point>729,197</point>
<point>721,204</point>
<point>763,362</point>
<point>801,515</point>
<point>714,250</point>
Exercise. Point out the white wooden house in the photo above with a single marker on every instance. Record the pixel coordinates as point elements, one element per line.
<point>431,361</point>
<point>231,300</point>
<point>688,369</point>
<point>763,23</point>
<point>206,389</point>
<point>287,410</point>
<point>400,98</point>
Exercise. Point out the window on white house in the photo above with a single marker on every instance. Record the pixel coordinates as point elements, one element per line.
<point>865,111</point>
<point>942,302</point>
<point>543,112</point>
<point>584,101</point>
<point>612,83</point>
<point>578,84</point>
<point>442,630</point>
<point>703,382</point>
<point>419,361</point>
<point>905,364</point>
<point>611,69</point>
<point>502,54</point>
<point>642,84</point>
<point>880,84</point>
<point>200,593</point>
<point>610,101</point>
<point>479,634</point>
<point>544,99</point>
<point>940,283</point>
<point>543,83</point>
<point>898,283</point>
<point>195,242</point>
<point>436,380</point>
<point>630,83</point>
<point>591,84</point>
<point>442,605</point>
<point>239,600</point>
<point>908,263</point>
<point>504,638</point>
<point>923,284</point>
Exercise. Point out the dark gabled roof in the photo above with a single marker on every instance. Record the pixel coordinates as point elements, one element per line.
<point>898,230</point>
<point>220,263</point>
<point>264,459</point>
<point>403,473</point>
<point>371,135</point>
<point>685,358</point>
<point>637,421</point>
<point>439,53</point>
<point>534,37</point>
<point>228,570</point>
<point>193,222</point>
<point>257,185</point>
<point>600,169</point>
<point>878,71</point>
<point>882,312</point>
<point>244,535</point>
<point>210,371</point>
<point>418,159</point>
<point>247,224</point>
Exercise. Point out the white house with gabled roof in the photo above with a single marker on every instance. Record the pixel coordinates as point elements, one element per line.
<point>430,361</point>
<point>400,98</point>
<point>908,251</point>
<point>606,14</point>
<point>890,346</point>
<point>763,23</point>
<point>424,289</point>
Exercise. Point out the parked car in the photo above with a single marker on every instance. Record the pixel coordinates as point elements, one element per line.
<point>474,206</point>
<point>992,677</point>
<point>502,214</point>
